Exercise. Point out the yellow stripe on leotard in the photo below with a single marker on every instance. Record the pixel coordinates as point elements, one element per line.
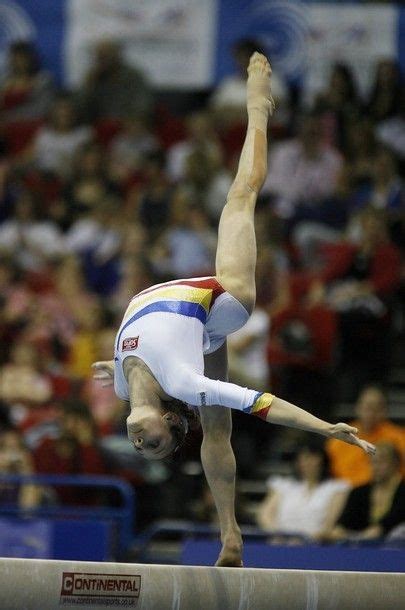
<point>202,296</point>
<point>262,405</point>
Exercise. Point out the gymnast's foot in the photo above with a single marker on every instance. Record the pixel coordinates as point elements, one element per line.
<point>258,85</point>
<point>231,554</point>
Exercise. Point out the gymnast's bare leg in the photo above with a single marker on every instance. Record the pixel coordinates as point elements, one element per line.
<point>219,464</point>
<point>235,270</point>
<point>236,249</point>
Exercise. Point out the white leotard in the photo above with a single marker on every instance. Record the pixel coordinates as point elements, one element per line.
<point>170,327</point>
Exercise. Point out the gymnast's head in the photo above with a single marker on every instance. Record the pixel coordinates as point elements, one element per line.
<point>159,433</point>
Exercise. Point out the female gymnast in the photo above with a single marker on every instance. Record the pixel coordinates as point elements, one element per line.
<point>171,347</point>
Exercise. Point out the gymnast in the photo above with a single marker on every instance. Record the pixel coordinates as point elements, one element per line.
<point>170,351</point>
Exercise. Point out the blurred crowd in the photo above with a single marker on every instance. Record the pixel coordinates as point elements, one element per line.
<point>112,187</point>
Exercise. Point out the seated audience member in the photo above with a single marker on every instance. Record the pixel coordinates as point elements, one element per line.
<point>131,146</point>
<point>374,426</point>
<point>360,277</point>
<point>96,238</point>
<point>25,90</point>
<point>90,182</point>
<point>57,142</point>
<point>384,189</point>
<point>307,504</point>
<point>338,103</point>
<point>302,170</point>
<point>385,94</point>
<point>112,89</point>
<point>373,510</point>
<point>22,382</point>
<point>201,137</point>
<point>391,131</point>
<point>74,451</point>
<point>31,240</point>
<point>247,347</point>
<point>16,459</point>
<point>187,246</point>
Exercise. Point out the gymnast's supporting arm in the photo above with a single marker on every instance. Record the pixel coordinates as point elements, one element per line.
<point>219,464</point>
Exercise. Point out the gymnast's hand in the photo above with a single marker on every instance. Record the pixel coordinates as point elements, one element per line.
<point>104,372</point>
<point>348,434</point>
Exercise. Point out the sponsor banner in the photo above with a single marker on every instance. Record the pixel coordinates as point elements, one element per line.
<point>173,41</point>
<point>304,41</point>
<point>356,35</point>
<point>110,590</point>
<point>186,43</point>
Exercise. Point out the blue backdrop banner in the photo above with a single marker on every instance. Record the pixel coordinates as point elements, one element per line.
<point>187,43</point>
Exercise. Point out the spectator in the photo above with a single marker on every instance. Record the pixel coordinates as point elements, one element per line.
<point>200,138</point>
<point>391,131</point>
<point>374,426</point>
<point>90,181</point>
<point>57,142</point>
<point>96,238</point>
<point>308,503</point>
<point>302,170</point>
<point>31,240</point>
<point>16,459</point>
<point>384,191</point>
<point>385,93</point>
<point>186,249</point>
<point>130,147</point>
<point>112,89</point>
<point>25,90</point>
<point>360,278</point>
<point>83,348</point>
<point>22,382</point>
<point>247,358</point>
<point>154,198</point>
<point>373,510</point>
<point>338,104</point>
<point>74,451</point>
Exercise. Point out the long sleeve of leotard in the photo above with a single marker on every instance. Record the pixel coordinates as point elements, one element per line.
<point>200,391</point>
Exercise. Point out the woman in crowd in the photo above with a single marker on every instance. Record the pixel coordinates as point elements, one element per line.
<point>308,503</point>
<point>374,509</point>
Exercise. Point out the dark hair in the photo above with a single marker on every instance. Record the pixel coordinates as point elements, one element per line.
<point>315,448</point>
<point>346,73</point>
<point>189,417</point>
<point>22,47</point>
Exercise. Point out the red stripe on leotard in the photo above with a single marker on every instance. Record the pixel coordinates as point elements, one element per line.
<point>209,283</point>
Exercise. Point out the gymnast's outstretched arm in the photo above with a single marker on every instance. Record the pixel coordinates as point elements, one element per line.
<point>199,390</point>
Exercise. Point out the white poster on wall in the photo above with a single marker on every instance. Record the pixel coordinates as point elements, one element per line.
<point>173,41</point>
<point>357,35</point>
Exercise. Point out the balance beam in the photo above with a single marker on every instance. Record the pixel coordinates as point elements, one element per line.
<point>34,584</point>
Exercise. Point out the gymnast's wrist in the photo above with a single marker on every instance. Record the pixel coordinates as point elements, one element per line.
<point>326,429</point>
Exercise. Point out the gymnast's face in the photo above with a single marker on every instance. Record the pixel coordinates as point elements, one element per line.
<point>152,433</point>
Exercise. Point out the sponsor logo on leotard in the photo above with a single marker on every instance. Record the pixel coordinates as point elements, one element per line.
<point>203,400</point>
<point>130,343</point>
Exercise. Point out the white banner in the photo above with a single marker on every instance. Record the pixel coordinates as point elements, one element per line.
<point>173,41</point>
<point>357,35</point>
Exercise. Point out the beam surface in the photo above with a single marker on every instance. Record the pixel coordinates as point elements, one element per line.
<point>33,584</point>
